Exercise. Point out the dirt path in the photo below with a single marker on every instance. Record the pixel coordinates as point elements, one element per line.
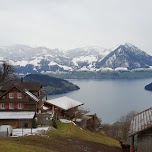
<point>67,144</point>
<point>77,145</point>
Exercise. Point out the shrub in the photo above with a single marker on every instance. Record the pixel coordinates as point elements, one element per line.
<point>54,124</point>
<point>34,123</point>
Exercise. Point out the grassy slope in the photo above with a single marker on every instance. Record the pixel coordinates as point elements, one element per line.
<point>12,146</point>
<point>52,142</point>
<point>66,130</point>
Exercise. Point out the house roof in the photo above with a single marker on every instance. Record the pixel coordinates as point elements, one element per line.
<point>31,95</point>
<point>90,113</point>
<point>17,115</point>
<point>25,87</point>
<point>64,103</point>
<point>31,86</point>
<point>84,117</point>
<point>141,121</point>
<point>25,91</point>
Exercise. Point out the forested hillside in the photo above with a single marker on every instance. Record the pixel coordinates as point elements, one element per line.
<point>52,85</point>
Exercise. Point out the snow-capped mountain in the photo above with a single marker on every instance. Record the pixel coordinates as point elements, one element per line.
<point>86,57</point>
<point>34,60</point>
<point>126,56</point>
<point>28,59</point>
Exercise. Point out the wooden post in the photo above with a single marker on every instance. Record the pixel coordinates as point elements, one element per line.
<point>22,130</point>
<point>7,132</point>
<point>132,143</point>
<point>31,125</point>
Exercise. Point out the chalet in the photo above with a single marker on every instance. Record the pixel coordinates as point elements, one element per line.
<point>62,107</point>
<point>88,121</point>
<point>140,132</point>
<point>19,102</point>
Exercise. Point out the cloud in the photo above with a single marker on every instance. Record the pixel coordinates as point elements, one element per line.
<point>67,24</point>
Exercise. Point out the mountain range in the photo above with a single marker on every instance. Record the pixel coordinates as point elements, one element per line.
<point>28,59</point>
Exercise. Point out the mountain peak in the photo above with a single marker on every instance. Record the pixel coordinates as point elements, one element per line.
<point>129,45</point>
<point>131,48</point>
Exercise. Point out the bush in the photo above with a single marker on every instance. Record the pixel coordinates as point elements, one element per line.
<point>54,124</point>
<point>34,123</point>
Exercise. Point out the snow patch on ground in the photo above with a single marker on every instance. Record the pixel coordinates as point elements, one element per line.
<point>29,131</point>
<point>67,121</point>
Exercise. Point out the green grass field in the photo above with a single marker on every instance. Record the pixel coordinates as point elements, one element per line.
<point>12,146</point>
<point>54,141</point>
<point>69,129</point>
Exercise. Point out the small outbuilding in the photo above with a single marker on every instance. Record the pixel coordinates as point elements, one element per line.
<point>16,119</point>
<point>140,132</point>
<point>88,121</point>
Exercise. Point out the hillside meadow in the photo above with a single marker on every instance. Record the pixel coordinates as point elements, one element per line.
<point>66,138</point>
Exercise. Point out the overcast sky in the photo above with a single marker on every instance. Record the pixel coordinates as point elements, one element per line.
<point>67,24</point>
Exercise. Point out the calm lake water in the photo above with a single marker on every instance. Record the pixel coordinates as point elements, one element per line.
<point>111,99</point>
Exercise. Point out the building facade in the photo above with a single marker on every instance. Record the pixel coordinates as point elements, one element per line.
<point>140,132</point>
<point>19,102</point>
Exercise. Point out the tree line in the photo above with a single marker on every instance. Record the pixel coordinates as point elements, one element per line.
<point>120,129</point>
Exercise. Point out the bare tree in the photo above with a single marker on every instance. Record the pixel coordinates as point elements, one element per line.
<point>7,72</point>
<point>119,130</point>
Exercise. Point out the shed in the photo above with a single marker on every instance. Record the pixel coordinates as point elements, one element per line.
<point>17,119</point>
<point>6,130</point>
<point>88,121</point>
<point>141,131</point>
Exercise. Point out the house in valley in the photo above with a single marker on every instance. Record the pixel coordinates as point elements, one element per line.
<point>62,107</point>
<point>88,121</point>
<point>19,103</point>
<point>140,132</point>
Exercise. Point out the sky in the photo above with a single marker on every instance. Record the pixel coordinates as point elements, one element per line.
<point>68,24</point>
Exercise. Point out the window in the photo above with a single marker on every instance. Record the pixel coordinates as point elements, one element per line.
<point>2,106</point>
<point>11,106</point>
<point>11,95</point>
<point>19,95</point>
<point>19,105</point>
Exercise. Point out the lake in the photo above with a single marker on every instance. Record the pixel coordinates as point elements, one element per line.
<point>111,99</point>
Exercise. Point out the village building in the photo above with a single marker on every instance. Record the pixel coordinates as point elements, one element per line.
<point>88,121</point>
<point>140,132</point>
<point>62,107</point>
<point>67,108</point>
<point>19,103</point>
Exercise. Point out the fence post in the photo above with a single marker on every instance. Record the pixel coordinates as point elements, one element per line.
<point>22,131</point>
<point>7,132</point>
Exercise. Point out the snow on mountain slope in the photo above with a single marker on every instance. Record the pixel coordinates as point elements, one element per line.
<point>86,56</point>
<point>85,51</point>
<point>87,59</point>
<point>126,56</point>
<point>27,59</point>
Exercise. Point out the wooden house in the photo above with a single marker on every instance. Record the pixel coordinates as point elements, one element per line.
<point>19,102</point>
<point>140,132</point>
<point>62,107</point>
<point>88,121</point>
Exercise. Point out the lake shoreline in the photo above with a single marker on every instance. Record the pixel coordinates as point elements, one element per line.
<point>111,99</point>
